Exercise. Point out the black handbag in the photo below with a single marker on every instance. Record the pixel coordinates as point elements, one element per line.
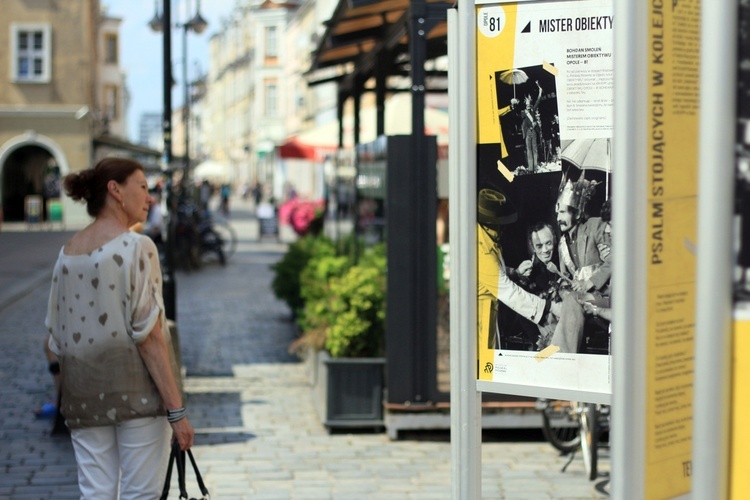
<point>178,456</point>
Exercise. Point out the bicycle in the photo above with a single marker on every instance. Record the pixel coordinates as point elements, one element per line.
<point>199,238</point>
<point>571,425</point>
<point>227,235</point>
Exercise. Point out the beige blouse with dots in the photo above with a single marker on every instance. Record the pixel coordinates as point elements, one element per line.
<point>102,304</point>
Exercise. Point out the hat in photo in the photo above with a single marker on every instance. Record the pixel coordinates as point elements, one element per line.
<point>577,193</point>
<point>494,208</point>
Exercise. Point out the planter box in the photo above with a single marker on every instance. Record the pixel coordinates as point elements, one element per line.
<point>348,392</point>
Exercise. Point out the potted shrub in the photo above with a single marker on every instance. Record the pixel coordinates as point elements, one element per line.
<point>342,323</point>
<point>286,283</point>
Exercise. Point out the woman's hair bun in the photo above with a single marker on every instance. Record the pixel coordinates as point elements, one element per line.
<point>79,184</point>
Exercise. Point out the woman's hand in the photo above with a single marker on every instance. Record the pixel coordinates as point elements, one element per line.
<point>155,355</point>
<point>184,433</point>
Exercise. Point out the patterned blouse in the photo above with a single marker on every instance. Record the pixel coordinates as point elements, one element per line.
<point>101,306</point>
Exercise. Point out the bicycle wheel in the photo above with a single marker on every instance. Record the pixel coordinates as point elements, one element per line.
<point>589,417</point>
<point>560,426</point>
<point>228,237</point>
<point>213,245</point>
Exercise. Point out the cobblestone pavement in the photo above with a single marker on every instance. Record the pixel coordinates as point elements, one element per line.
<point>258,435</point>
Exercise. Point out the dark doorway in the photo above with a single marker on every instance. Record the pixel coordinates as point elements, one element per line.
<point>29,170</point>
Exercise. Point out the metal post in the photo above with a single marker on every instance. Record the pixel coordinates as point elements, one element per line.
<point>628,249</point>
<point>713,326</point>
<point>185,110</point>
<point>424,249</point>
<point>169,286</point>
<point>357,96</point>
<point>418,54</point>
<point>381,82</point>
<point>466,409</point>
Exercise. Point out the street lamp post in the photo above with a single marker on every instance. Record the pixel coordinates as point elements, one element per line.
<point>163,24</point>
<point>198,25</point>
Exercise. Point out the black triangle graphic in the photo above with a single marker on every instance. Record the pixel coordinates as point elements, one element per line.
<point>527,29</point>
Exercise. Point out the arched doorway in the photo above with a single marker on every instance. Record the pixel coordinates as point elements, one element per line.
<point>28,170</point>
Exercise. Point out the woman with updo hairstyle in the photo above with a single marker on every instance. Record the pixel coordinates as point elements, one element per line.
<point>91,185</point>
<point>120,392</point>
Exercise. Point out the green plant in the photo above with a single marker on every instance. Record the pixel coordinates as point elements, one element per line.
<point>319,270</point>
<point>344,309</point>
<point>286,284</point>
<point>314,291</point>
<point>358,313</point>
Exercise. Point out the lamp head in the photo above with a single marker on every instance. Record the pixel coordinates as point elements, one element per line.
<point>197,23</point>
<point>157,22</point>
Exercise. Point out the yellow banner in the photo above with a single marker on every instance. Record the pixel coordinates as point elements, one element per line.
<point>739,483</point>
<point>492,52</point>
<point>673,78</point>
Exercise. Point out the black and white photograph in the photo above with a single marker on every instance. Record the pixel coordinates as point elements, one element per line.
<point>551,233</point>
<point>529,119</point>
<point>742,179</point>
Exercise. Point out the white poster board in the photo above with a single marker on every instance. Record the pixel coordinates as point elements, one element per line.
<point>544,107</point>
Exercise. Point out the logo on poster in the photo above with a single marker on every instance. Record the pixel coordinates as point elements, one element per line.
<point>491,21</point>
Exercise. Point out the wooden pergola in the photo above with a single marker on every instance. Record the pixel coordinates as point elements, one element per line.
<point>372,40</point>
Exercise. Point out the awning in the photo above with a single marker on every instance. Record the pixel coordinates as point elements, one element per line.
<point>315,144</point>
<point>306,148</point>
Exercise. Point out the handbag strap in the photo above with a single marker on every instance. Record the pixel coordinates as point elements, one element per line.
<point>168,479</point>
<point>178,456</point>
<point>181,472</point>
<point>198,477</point>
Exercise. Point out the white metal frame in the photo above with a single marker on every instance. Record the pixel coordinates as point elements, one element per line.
<point>713,327</point>
<point>465,388</point>
<point>466,408</point>
<point>629,147</point>
<point>716,164</point>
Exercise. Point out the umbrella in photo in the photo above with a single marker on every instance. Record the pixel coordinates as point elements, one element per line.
<point>512,77</point>
<point>589,154</point>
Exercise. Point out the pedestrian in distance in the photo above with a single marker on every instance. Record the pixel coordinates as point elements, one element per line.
<point>225,192</point>
<point>106,322</point>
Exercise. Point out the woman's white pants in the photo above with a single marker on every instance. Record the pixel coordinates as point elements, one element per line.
<point>131,456</point>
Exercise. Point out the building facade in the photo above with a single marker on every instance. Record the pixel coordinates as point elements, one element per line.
<point>257,96</point>
<point>244,111</point>
<point>226,118</point>
<point>112,93</point>
<point>63,101</point>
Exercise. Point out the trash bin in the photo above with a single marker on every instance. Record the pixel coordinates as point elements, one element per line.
<point>54,210</point>
<point>33,209</point>
<point>269,222</point>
